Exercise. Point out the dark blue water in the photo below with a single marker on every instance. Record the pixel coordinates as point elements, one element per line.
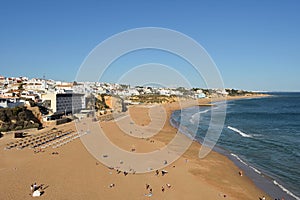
<point>262,136</point>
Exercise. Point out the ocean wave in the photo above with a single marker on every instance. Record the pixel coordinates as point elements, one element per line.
<point>195,117</point>
<point>238,131</point>
<point>256,170</point>
<point>257,135</point>
<point>239,159</point>
<point>285,190</point>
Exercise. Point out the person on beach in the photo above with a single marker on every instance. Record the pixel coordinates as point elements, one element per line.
<point>150,190</point>
<point>162,188</point>
<point>34,187</point>
<point>35,190</point>
<point>240,173</point>
<point>157,172</point>
<point>163,172</point>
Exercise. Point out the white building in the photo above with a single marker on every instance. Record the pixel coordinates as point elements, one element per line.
<point>222,92</point>
<point>30,95</point>
<point>35,85</point>
<point>2,80</point>
<point>165,92</point>
<point>64,102</point>
<point>13,86</point>
<point>10,102</point>
<point>199,94</point>
<point>64,88</point>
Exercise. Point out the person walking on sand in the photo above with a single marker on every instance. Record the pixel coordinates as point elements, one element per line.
<point>34,187</point>
<point>240,173</point>
<point>31,188</point>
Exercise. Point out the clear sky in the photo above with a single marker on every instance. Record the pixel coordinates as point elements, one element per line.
<point>255,44</point>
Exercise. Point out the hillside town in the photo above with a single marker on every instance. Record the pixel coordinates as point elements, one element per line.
<point>56,99</point>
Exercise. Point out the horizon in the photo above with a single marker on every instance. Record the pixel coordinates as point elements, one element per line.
<point>254,44</point>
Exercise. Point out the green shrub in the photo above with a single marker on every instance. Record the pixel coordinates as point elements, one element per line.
<point>19,128</point>
<point>21,116</point>
<point>12,127</point>
<point>3,129</point>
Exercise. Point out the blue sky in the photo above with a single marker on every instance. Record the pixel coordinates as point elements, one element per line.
<point>255,44</point>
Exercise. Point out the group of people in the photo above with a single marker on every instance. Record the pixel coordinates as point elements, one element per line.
<point>163,188</point>
<point>163,172</point>
<point>36,190</point>
<point>125,172</point>
<point>149,188</point>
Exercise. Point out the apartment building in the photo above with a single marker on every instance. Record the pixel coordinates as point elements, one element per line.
<point>64,102</point>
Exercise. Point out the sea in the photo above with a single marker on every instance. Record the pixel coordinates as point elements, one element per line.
<point>260,135</point>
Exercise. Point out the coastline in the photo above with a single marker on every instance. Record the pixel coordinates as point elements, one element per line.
<point>196,145</point>
<point>68,173</point>
<point>261,179</point>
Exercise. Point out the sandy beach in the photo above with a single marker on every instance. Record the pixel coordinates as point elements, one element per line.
<point>71,172</point>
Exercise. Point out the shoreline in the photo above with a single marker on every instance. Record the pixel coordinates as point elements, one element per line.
<point>261,179</point>
<point>207,102</point>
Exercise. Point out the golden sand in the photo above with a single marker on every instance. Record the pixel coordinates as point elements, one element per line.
<point>73,173</point>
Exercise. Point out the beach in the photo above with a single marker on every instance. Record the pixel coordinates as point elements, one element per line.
<point>73,173</point>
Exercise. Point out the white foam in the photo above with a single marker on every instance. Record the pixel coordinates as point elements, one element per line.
<point>285,190</point>
<point>238,131</point>
<point>256,170</point>
<point>257,135</point>
<point>195,117</point>
<point>239,159</point>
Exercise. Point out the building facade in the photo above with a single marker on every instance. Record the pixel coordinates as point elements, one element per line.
<point>11,102</point>
<point>64,102</point>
